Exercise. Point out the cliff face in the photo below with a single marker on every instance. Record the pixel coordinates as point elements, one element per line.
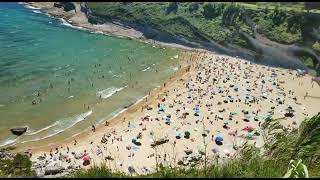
<point>194,36</point>
<point>67,6</point>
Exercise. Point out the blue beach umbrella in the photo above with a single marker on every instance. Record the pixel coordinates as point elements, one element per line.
<point>219,138</point>
<point>197,110</point>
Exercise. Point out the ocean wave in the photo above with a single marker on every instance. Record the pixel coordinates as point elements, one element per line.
<point>115,115</point>
<point>175,68</point>
<point>31,7</point>
<point>8,141</point>
<point>108,92</point>
<point>139,100</point>
<point>60,126</point>
<point>96,32</point>
<point>146,69</point>
<point>35,11</point>
<point>43,129</point>
<point>65,23</point>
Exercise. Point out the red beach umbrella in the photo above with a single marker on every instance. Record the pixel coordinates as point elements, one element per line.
<point>86,158</point>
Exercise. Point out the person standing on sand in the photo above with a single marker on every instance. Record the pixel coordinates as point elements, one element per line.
<point>306,95</point>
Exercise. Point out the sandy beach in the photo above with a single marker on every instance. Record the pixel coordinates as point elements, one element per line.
<point>216,96</point>
<point>213,100</point>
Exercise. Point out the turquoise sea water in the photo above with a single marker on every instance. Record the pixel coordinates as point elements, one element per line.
<point>63,70</point>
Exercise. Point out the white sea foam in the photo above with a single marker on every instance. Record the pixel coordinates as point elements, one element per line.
<point>146,69</point>
<point>139,100</point>
<point>109,92</point>
<point>175,68</point>
<point>97,32</point>
<point>35,11</point>
<point>8,141</point>
<point>31,7</point>
<point>43,129</point>
<point>64,22</point>
<point>60,126</point>
<point>123,110</point>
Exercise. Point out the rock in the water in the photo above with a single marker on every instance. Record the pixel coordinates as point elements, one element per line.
<point>18,131</point>
<point>52,170</point>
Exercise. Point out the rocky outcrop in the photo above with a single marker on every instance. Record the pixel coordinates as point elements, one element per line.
<point>67,6</point>
<point>18,130</point>
<point>4,154</point>
<point>52,170</point>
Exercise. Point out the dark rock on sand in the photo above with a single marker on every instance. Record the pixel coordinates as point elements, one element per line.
<point>52,170</point>
<point>18,130</point>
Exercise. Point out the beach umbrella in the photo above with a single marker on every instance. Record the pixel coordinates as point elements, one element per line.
<point>86,158</point>
<point>197,110</point>
<point>248,128</point>
<point>250,134</point>
<point>219,138</point>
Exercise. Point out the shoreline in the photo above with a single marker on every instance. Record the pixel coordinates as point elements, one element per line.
<point>116,119</point>
<point>132,113</point>
<point>138,104</point>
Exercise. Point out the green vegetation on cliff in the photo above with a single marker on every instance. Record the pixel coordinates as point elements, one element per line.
<point>218,21</point>
<point>285,23</point>
<point>16,167</point>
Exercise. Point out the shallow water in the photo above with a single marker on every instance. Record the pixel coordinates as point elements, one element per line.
<point>64,69</point>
